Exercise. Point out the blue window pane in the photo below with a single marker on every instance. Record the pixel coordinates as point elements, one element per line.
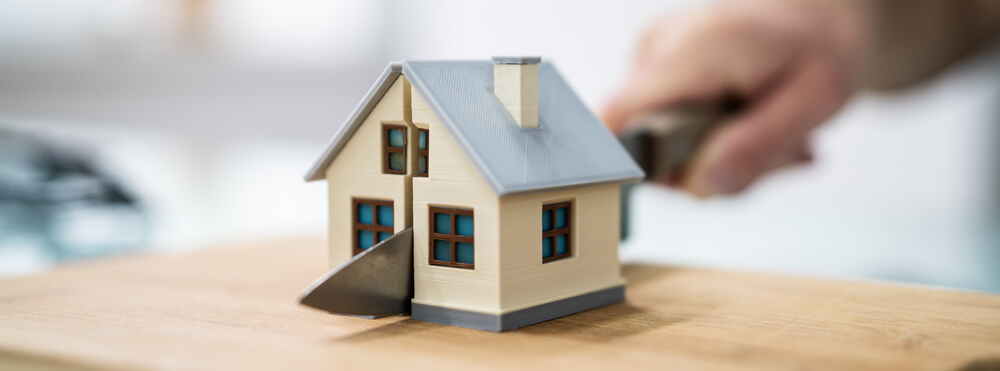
<point>463,225</point>
<point>561,244</point>
<point>442,250</point>
<point>383,235</point>
<point>422,143</point>
<point>364,214</point>
<point>561,218</point>
<point>464,253</point>
<point>546,247</point>
<point>422,165</point>
<point>546,220</point>
<point>365,239</point>
<point>385,215</point>
<point>396,138</point>
<point>397,161</point>
<point>442,223</point>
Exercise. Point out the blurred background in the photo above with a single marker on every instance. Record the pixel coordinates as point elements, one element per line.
<point>170,125</point>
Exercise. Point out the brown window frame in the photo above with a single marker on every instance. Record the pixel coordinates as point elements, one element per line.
<point>387,149</point>
<point>454,238</point>
<point>568,231</point>
<point>375,228</point>
<point>424,152</point>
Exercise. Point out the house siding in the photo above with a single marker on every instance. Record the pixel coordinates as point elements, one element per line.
<point>356,172</point>
<point>593,265</point>
<point>454,181</point>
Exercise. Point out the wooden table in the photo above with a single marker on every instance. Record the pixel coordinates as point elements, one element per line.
<point>234,308</point>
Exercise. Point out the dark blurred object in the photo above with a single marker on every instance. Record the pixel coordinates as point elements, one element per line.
<point>986,364</point>
<point>54,199</point>
<point>665,141</point>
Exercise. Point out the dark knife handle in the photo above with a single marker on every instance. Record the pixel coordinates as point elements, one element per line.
<point>665,141</point>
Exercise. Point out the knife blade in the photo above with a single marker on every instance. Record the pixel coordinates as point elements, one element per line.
<point>376,283</point>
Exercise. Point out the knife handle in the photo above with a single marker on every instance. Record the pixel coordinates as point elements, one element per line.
<point>664,142</point>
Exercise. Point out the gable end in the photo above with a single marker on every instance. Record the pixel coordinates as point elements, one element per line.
<point>347,130</point>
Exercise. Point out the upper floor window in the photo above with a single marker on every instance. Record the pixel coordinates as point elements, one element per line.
<point>423,150</point>
<point>452,238</point>
<point>394,149</point>
<point>556,230</point>
<point>372,223</point>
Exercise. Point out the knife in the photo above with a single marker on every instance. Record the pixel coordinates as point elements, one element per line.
<point>379,281</point>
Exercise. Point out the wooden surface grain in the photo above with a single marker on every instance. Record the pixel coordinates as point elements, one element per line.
<point>234,308</point>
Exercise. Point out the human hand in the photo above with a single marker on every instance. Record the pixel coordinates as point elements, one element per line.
<point>792,63</point>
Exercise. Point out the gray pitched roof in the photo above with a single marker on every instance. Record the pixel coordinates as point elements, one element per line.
<point>571,147</point>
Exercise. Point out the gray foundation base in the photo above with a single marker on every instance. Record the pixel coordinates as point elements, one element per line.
<point>520,318</point>
<point>365,316</point>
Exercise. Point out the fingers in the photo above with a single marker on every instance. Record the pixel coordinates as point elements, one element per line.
<point>670,69</point>
<point>659,88</point>
<point>700,58</point>
<point>778,59</point>
<point>771,134</point>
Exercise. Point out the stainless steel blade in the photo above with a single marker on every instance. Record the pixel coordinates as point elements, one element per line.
<point>377,282</point>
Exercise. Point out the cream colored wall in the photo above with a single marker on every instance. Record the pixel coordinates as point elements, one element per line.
<point>594,265</point>
<point>356,172</point>
<point>454,182</point>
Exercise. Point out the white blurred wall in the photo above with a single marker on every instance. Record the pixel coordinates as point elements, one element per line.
<point>213,110</point>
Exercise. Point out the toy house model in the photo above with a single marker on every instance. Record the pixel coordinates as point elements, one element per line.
<point>510,183</point>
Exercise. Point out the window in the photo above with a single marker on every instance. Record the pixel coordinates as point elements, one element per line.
<point>556,229</point>
<point>451,242</point>
<point>394,149</point>
<point>372,223</point>
<point>423,142</point>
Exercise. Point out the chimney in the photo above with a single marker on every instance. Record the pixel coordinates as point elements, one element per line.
<point>515,83</point>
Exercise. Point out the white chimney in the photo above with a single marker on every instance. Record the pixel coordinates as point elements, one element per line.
<point>515,83</point>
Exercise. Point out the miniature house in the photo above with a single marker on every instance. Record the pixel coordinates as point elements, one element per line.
<point>510,183</point>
